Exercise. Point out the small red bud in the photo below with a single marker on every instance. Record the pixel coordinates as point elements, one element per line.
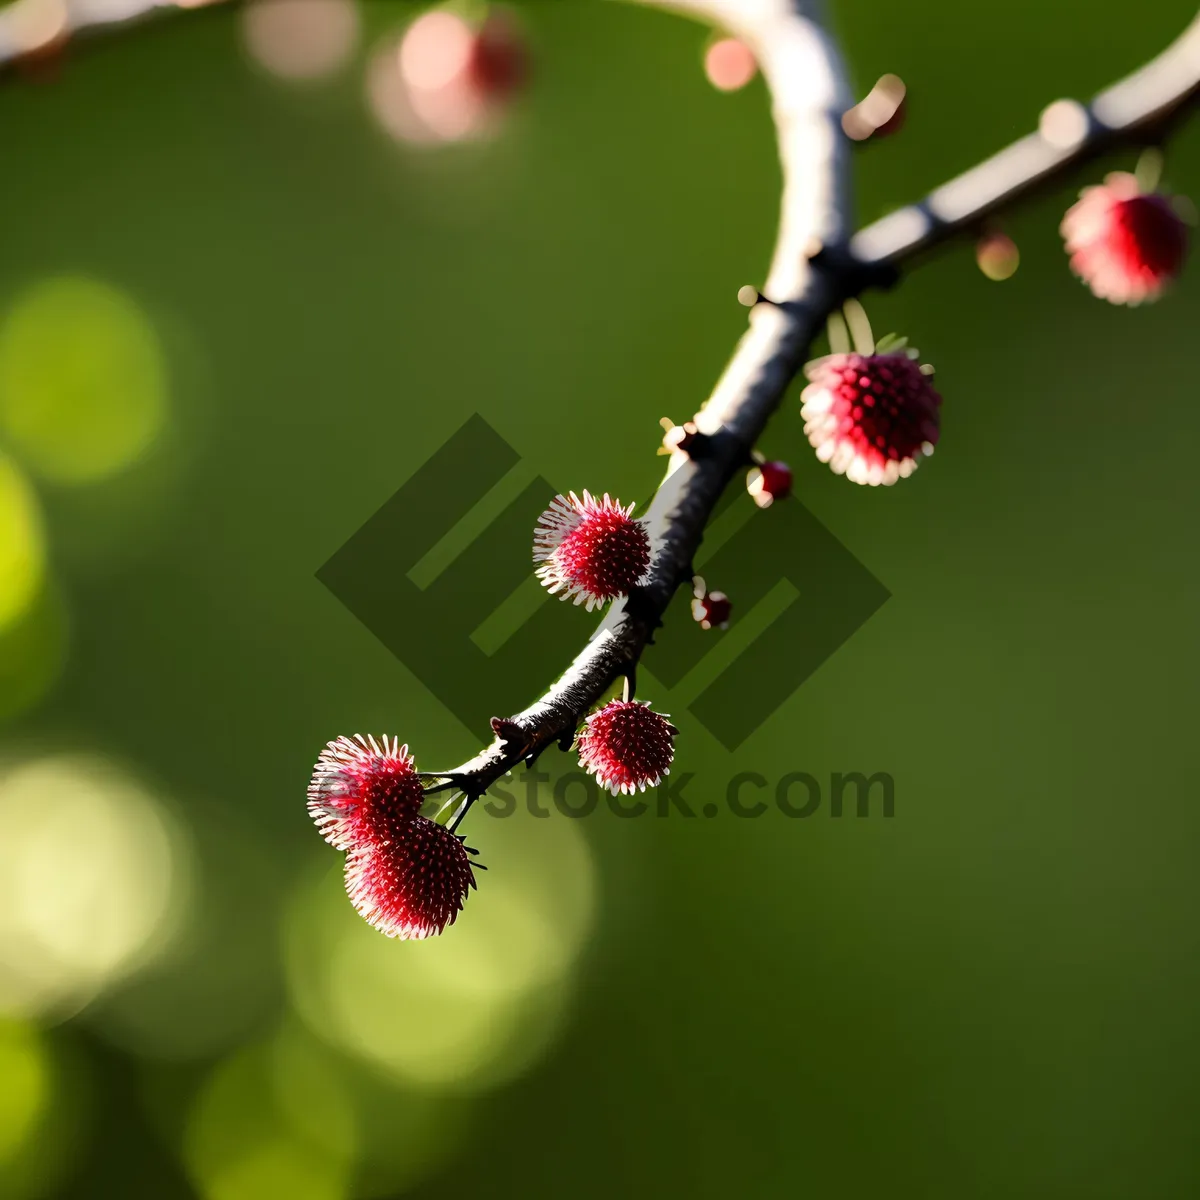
<point>712,610</point>
<point>769,482</point>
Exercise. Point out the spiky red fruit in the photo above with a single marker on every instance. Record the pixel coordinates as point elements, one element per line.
<point>363,792</point>
<point>407,875</point>
<point>590,550</point>
<point>870,417</point>
<point>626,746</point>
<point>1126,245</point>
<point>712,610</point>
<point>769,482</point>
<point>412,886</point>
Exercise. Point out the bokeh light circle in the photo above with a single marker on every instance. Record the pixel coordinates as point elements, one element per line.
<point>446,79</point>
<point>26,1090</point>
<point>301,39</point>
<point>730,64</point>
<point>33,652</point>
<point>470,1009</point>
<point>291,1102</point>
<point>22,551</point>
<point>91,881</point>
<point>82,379</point>
<point>219,979</point>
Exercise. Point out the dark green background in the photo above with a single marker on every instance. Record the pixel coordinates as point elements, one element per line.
<point>992,993</point>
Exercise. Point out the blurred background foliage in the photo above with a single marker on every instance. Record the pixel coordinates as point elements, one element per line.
<point>236,314</point>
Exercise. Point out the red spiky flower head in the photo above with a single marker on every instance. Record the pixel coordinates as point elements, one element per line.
<point>626,746</point>
<point>871,417</point>
<point>363,792</point>
<point>414,886</point>
<point>590,550</point>
<point>1125,244</point>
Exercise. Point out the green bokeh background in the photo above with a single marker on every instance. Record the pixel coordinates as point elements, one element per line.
<point>991,994</point>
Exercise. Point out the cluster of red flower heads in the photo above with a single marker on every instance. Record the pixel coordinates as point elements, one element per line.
<point>406,875</point>
<point>871,414</point>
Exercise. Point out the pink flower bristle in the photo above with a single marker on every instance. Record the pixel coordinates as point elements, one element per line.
<point>1125,244</point>
<point>363,789</point>
<point>871,417</point>
<point>413,887</point>
<point>591,551</point>
<point>627,746</point>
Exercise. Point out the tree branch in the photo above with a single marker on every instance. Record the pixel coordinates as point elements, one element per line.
<point>809,94</point>
<point>1141,109</point>
<point>816,268</point>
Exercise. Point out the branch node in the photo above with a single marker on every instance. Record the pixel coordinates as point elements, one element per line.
<point>686,438</point>
<point>512,737</point>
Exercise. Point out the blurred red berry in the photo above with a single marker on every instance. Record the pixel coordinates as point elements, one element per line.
<point>591,550</point>
<point>870,417</point>
<point>364,792</point>
<point>712,610</point>
<point>626,746</point>
<point>769,482</point>
<point>1126,245</point>
<point>414,885</point>
<point>449,79</point>
<point>499,60</point>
